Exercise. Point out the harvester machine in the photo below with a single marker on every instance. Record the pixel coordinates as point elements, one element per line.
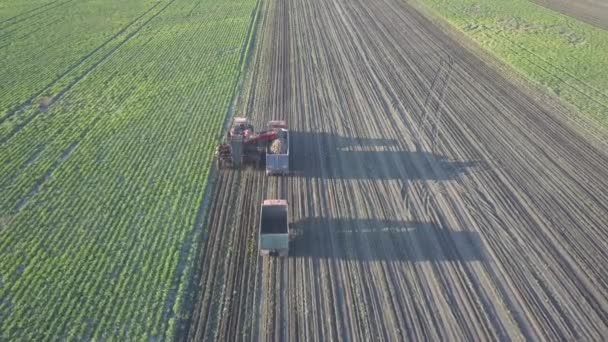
<point>243,146</point>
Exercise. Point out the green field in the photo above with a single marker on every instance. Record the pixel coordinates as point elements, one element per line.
<point>567,56</point>
<point>109,114</point>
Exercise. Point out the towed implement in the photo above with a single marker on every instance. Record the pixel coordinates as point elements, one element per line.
<point>242,145</point>
<point>274,228</point>
<point>277,151</point>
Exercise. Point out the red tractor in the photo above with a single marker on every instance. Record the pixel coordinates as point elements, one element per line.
<point>243,145</point>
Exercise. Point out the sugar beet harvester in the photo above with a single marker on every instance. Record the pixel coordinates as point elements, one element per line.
<point>243,145</point>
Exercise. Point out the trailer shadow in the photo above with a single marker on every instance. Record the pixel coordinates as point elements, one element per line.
<point>371,239</point>
<point>329,156</point>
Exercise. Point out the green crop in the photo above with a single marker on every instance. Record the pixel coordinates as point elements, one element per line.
<point>109,114</point>
<point>563,54</point>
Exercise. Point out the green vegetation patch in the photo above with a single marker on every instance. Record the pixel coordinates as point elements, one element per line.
<point>567,56</point>
<point>110,111</point>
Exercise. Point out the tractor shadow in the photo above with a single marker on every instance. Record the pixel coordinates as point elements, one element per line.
<point>370,239</point>
<point>329,156</point>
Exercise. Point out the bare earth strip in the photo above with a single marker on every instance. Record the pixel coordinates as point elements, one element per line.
<point>594,12</point>
<point>433,199</point>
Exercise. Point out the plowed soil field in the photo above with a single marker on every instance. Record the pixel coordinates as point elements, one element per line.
<point>432,198</point>
<point>594,12</point>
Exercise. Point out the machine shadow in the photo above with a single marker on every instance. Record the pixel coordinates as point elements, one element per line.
<point>370,240</point>
<point>330,156</point>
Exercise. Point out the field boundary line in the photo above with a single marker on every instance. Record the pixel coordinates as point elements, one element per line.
<point>596,22</point>
<point>595,133</point>
<point>566,73</point>
<point>182,328</point>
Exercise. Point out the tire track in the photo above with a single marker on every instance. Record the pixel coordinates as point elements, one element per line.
<point>11,21</point>
<point>23,105</point>
<point>432,199</point>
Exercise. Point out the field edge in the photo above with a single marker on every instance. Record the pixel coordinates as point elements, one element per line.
<point>179,330</point>
<point>593,127</point>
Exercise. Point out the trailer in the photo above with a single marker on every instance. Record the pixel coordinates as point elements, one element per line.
<point>274,228</point>
<point>277,151</point>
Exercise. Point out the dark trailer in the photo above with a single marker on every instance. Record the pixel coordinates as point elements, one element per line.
<point>274,229</point>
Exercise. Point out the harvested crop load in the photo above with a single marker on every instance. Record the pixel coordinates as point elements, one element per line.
<point>278,146</point>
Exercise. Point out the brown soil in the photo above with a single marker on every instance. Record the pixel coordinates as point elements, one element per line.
<point>432,198</point>
<point>594,12</point>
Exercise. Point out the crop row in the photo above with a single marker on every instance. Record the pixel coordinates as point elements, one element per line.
<point>35,61</point>
<point>102,191</point>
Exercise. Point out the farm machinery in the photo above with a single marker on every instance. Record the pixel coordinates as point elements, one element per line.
<point>274,228</point>
<point>243,146</point>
